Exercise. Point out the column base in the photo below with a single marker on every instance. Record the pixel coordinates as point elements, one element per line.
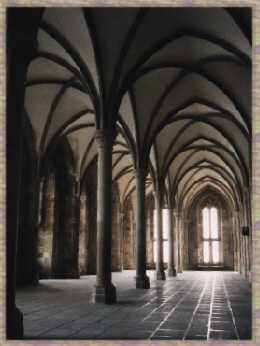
<point>160,275</point>
<point>172,272</point>
<point>105,294</point>
<point>14,323</point>
<point>35,279</point>
<point>142,282</point>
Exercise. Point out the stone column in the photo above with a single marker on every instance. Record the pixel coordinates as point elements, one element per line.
<point>159,273</point>
<point>104,291</point>
<point>19,52</point>
<point>171,242</point>
<point>142,280</point>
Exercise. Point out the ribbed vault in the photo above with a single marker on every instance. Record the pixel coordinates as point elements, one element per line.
<point>178,94</point>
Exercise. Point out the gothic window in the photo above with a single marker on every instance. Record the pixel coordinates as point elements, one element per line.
<point>211,236</point>
<point>164,236</point>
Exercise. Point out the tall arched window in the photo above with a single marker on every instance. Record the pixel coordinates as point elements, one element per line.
<point>165,228</point>
<point>211,236</point>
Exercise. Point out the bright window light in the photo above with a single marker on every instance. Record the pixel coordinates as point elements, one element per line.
<point>154,252</point>
<point>206,251</point>
<point>215,251</point>
<point>165,230</point>
<point>165,252</point>
<point>205,216</point>
<point>165,223</point>
<point>211,237</point>
<point>214,223</point>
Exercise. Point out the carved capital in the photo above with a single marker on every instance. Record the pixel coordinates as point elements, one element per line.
<point>158,198</point>
<point>104,138</point>
<point>140,173</point>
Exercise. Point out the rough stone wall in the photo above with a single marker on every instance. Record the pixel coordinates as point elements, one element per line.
<point>181,244</point>
<point>117,260</point>
<point>227,239</point>
<point>65,238</point>
<point>193,241</point>
<point>128,236</point>
<point>91,218</point>
<point>45,235</point>
<point>149,231</point>
<point>83,239</point>
<point>185,236</point>
<point>236,243</point>
<point>59,224</point>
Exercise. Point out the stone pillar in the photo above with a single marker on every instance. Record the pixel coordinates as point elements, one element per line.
<point>159,273</point>
<point>142,280</point>
<point>104,291</point>
<point>19,53</point>
<point>171,242</point>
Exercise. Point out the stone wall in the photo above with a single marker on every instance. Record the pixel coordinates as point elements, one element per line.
<point>128,235</point>
<point>91,218</point>
<point>45,232</point>
<point>117,260</point>
<point>150,231</point>
<point>83,239</point>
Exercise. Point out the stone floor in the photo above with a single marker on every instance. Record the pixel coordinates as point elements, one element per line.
<point>195,305</point>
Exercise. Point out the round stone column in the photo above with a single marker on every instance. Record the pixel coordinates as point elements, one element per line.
<point>159,272</point>
<point>171,242</point>
<point>104,290</point>
<point>20,48</point>
<point>142,280</point>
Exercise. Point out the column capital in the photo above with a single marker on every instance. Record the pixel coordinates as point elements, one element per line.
<point>140,172</point>
<point>158,198</point>
<point>104,138</point>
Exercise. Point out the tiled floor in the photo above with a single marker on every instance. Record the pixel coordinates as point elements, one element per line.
<point>195,305</point>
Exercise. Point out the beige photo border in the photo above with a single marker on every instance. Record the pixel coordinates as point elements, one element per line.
<point>255,4</point>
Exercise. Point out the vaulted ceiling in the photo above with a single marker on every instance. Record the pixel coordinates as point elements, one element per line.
<point>175,82</point>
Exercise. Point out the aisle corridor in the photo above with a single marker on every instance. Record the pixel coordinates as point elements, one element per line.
<point>195,305</point>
